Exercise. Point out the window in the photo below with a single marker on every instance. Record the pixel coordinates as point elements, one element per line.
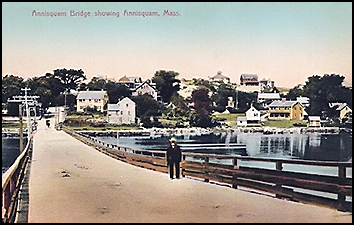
<point>128,113</point>
<point>127,104</point>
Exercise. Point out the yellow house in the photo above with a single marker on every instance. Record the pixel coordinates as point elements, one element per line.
<point>286,110</point>
<point>343,110</point>
<point>93,99</point>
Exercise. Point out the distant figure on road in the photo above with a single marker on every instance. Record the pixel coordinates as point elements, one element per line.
<point>47,122</point>
<point>174,156</point>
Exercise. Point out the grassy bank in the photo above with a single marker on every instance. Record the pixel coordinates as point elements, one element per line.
<point>94,122</point>
<point>97,122</point>
<point>122,127</point>
<point>285,123</point>
<point>230,119</point>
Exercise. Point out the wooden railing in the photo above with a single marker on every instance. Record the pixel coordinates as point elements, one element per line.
<point>154,160</point>
<point>273,179</point>
<point>11,184</point>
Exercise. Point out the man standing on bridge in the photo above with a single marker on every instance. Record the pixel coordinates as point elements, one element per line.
<point>174,156</point>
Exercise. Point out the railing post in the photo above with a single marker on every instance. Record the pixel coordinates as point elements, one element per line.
<point>234,176</point>
<point>278,167</point>
<point>183,170</point>
<point>206,169</point>
<point>341,196</point>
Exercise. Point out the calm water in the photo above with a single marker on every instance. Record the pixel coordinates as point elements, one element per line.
<point>10,151</point>
<point>288,146</point>
<point>284,146</point>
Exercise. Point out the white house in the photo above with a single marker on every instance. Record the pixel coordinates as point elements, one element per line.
<point>253,115</point>
<point>314,121</point>
<point>305,101</point>
<point>144,88</point>
<point>241,121</point>
<point>121,113</point>
<point>266,83</point>
<point>267,98</point>
<point>219,78</point>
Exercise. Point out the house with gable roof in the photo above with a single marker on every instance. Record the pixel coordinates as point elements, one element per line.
<point>249,80</point>
<point>314,121</point>
<point>93,99</point>
<point>249,83</point>
<point>219,78</point>
<point>286,110</point>
<point>130,82</point>
<point>122,113</point>
<point>253,115</point>
<point>146,88</point>
<point>341,109</point>
<point>266,98</point>
<point>266,83</point>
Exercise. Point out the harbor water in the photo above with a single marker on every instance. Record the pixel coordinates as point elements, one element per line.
<point>10,151</point>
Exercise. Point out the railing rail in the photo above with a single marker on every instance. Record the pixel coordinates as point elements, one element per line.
<point>282,183</point>
<point>11,182</point>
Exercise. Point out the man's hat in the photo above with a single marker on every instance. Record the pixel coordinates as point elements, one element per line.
<point>173,140</point>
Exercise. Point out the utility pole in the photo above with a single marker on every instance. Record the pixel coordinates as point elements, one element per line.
<point>21,127</point>
<point>236,99</point>
<point>65,93</point>
<point>27,111</point>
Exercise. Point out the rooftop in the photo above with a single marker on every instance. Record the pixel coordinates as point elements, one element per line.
<point>91,94</point>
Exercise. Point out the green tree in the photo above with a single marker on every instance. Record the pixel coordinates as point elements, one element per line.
<point>221,96</point>
<point>96,84</point>
<point>294,92</point>
<point>202,101</point>
<point>70,78</point>
<point>322,90</point>
<point>166,83</point>
<point>203,107</point>
<point>204,83</point>
<point>114,90</point>
<point>11,85</point>
<point>146,105</point>
<point>147,109</point>
<point>47,87</point>
<point>245,100</point>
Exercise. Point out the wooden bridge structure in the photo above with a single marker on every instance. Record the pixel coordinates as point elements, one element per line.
<point>273,178</point>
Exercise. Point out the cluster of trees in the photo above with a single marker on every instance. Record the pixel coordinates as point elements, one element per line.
<point>321,90</point>
<point>52,87</point>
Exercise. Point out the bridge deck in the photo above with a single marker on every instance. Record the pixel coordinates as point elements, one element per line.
<point>72,182</point>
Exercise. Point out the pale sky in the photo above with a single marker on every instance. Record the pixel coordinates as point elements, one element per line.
<point>286,42</point>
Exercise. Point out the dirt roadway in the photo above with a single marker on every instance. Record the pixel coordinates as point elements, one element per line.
<point>71,182</point>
